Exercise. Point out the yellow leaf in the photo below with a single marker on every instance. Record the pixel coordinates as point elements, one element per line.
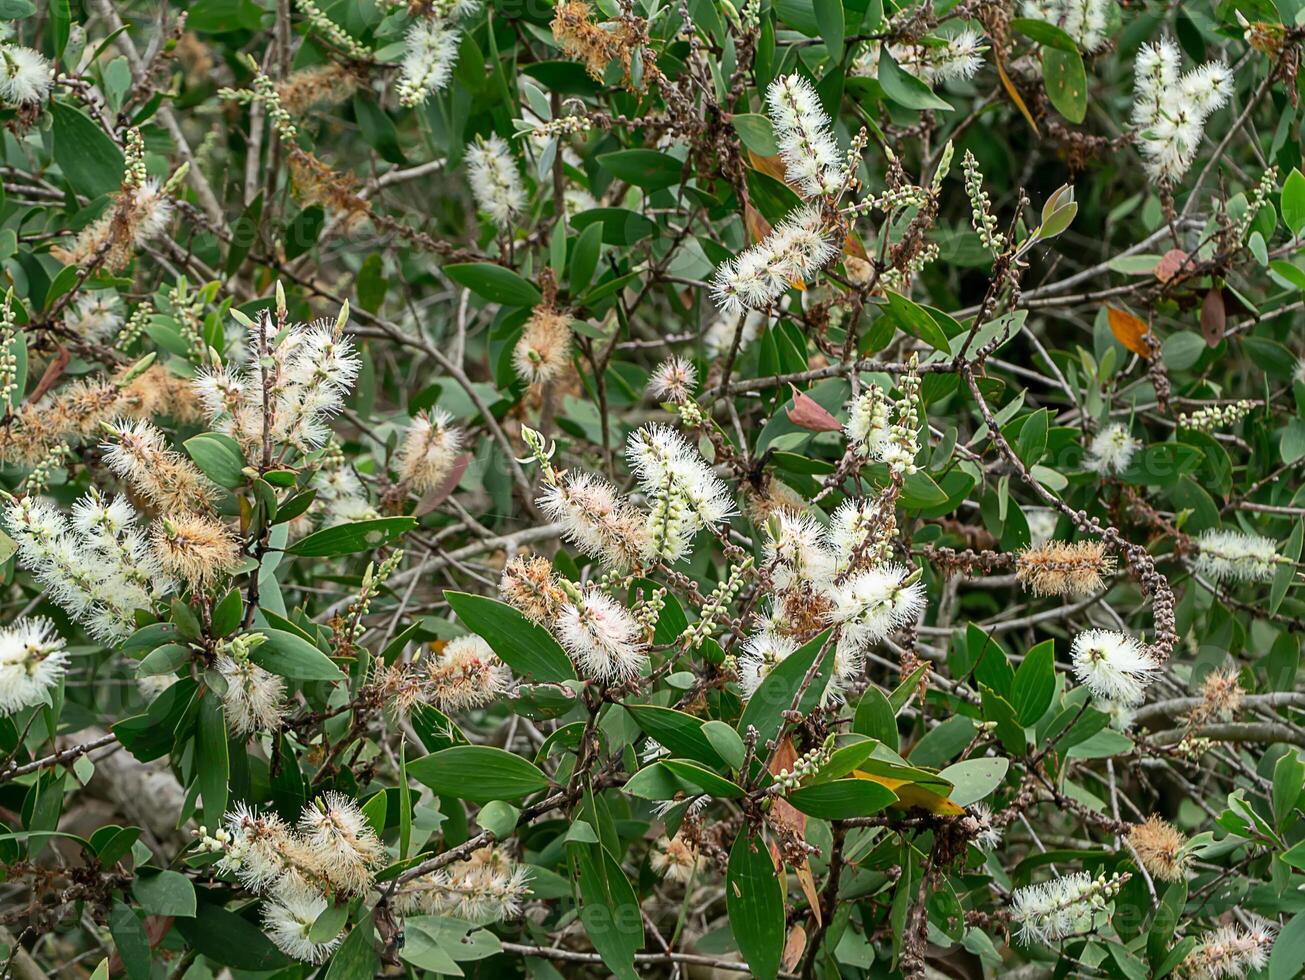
<point>1014,94</point>
<point>912,795</point>
<point>1129,331</point>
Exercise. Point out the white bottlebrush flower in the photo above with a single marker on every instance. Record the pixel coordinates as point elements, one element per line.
<point>686,495</point>
<point>543,352</point>
<point>596,520</point>
<point>794,251</point>
<point>1083,20</point>
<point>288,919</point>
<point>429,452</point>
<point>1113,666</point>
<point>812,161</point>
<point>1062,907</point>
<point>431,48</point>
<point>486,887</point>
<point>1170,110</point>
<point>341,841</point>
<point>762,653</point>
<point>984,834</point>
<point>959,56</point>
<point>869,605</point>
<point>1235,556</point>
<point>673,380</point>
<point>868,424</point>
<point>466,674</point>
<point>252,700</point>
<point>860,531</point>
<point>256,847</point>
<point>24,75</point>
<point>602,638</point>
<point>152,210</point>
<point>1232,951</point>
<point>796,553</point>
<point>220,391</point>
<point>1111,449</point>
<point>97,316</point>
<point>718,338</point>
<point>1042,523</point>
<point>495,180</point>
<point>32,660</point>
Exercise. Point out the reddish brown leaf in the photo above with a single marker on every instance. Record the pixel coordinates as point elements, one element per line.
<point>1169,264</point>
<point>437,496</point>
<point>758,227</point>
<point>809,414</point>
<point>53,372</point>
<point>1129,331</point>
<point>1214,317</point>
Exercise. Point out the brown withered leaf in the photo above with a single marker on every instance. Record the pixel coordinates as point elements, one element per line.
<point>809,414</point>
<point>1014,94</point>
<point>441,493</point>
<point>1214,317</point>
<point>852,246</point>
<point>788,817</point>
<point>771,166</point>
<point>1169,264</point>
<point>1129,331</point>
<point>53,372</point>
<point>794,947</point>
<point>758,227</point>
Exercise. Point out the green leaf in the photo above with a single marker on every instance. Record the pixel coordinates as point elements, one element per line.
<point>230,940</point>
<point>1288,779</point>
<point>328,924</point>
<point>211,757</point>
<point>357,956</point>
<point>347,539</point>
<point>1285,573</point>
<point>912,319</point>
<point>289,655</point>
<point>526,647</point>
<point>974,779</point>
<point>775,695</point>
<point>479,773</point>
<point>875,717</point>
<point>1065,80</point>
<point>905,89</point>
<point>1045,34</point>
<point>679,732</point>
<point>1009,731</point>
<point>494,283</point>
<point>1293,202</point>
<point>725,740</point>
<point>829,18</point>
<point>164,893</point>
<point>90,160</point>
<point>166,659</point>
<point>609,909</point>
<point>499,818</point>
<point>133,945</point>
<point>16,9</point>
<point>840,799</point>
<point>1035,684</point>
<point>754,900</point>
<point>756,132</point>
<point>1288,950</point>
<point>621,226</point>
<point>584,258</point>
<point>650,169</point>
<point>704,779</point>
<point>219,457</point>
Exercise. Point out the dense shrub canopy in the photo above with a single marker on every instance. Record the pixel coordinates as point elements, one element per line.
<point>788,487</point>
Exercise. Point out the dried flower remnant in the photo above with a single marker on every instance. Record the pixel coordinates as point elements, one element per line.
<point>1232,950</point>
<point>1160,847</point>
<point>675,859</point>
<point>1235,556</point>
<point>530,586</point>
<point>344,846</point>
<point>1113,666</point>
<point>1221,697</point>
<point>1062,907</point>
<point>429,452</point>
<point>200,551</point>
<point>140,456</point>
<point>318,85</point>
<point>32,661</point>
<point>1076,569</point>
<point>543,351</point>
<point>465,674</point>
<point>486,887</point>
